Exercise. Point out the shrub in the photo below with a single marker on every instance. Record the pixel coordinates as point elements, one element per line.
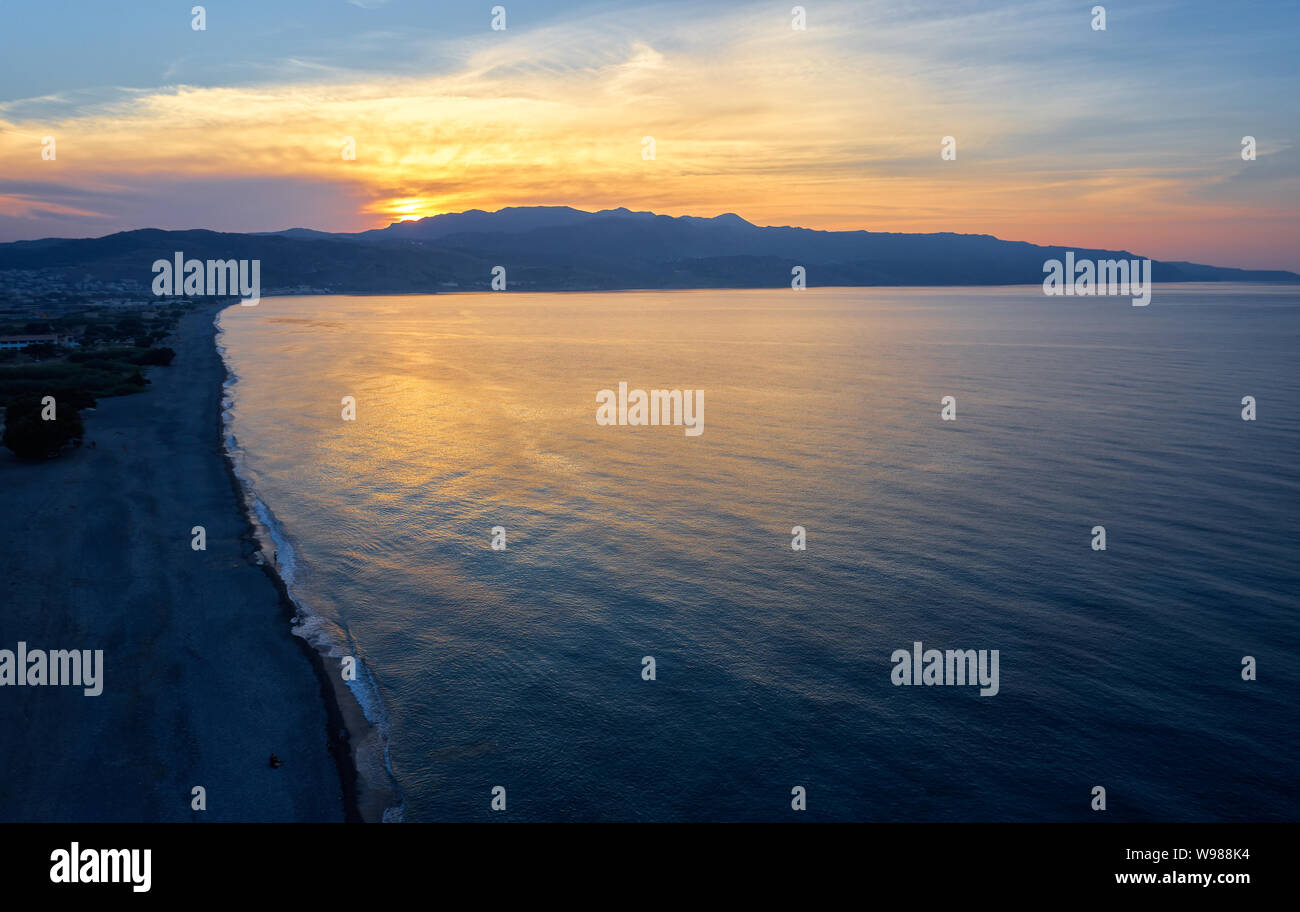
<point>31,437</point>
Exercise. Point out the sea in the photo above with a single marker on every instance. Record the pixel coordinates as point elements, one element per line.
<point>647,640</point>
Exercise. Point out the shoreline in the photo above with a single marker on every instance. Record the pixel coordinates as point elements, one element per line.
<point>368,793</point>
<point>200,680</point>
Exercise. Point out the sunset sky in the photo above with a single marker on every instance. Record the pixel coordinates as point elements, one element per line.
<point>1124,138</point>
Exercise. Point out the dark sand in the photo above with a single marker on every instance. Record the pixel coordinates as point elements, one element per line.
<point>203,679</point>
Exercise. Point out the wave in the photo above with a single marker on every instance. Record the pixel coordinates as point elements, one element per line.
<point>327,638</point>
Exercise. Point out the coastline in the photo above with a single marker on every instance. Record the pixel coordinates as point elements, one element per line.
<point>370,794</point>
<point>202,676</point>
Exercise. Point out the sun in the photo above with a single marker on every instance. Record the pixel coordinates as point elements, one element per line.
<point>409,210</point>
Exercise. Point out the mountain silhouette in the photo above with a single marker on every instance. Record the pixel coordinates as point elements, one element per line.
<point>553,248</point>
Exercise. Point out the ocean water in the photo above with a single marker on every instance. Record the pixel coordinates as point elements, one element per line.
<point>523,668</point>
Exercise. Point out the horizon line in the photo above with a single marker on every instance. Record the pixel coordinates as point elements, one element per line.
<point>635,212</point>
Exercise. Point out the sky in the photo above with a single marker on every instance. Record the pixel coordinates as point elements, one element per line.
<point>1127,138</point>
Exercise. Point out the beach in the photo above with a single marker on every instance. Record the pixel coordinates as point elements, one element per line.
<point>203,679</point>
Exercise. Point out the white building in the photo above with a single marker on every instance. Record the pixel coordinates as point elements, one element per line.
<point>10,343</point>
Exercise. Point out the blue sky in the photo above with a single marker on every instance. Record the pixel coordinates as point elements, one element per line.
<point>1127,137</point>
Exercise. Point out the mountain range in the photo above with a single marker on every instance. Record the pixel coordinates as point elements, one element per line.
<point>554,248</point>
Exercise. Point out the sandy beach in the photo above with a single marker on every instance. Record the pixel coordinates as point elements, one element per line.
<point>203,679</point>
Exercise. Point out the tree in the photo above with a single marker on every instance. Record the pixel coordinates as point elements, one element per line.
<point>97,332</point>
<point>31,437</point>
<point>42,350</point>
<point>75,397</point>
<point>129,327</point>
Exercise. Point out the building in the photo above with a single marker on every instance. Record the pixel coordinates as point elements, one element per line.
<point>10,343</point>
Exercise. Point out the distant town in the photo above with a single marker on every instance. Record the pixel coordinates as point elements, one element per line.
<point>64,346</point>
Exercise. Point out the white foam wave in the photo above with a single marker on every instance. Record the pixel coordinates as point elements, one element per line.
<point>322,634</point>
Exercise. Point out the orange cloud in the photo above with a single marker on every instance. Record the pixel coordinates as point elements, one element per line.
<point>783,127</point>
